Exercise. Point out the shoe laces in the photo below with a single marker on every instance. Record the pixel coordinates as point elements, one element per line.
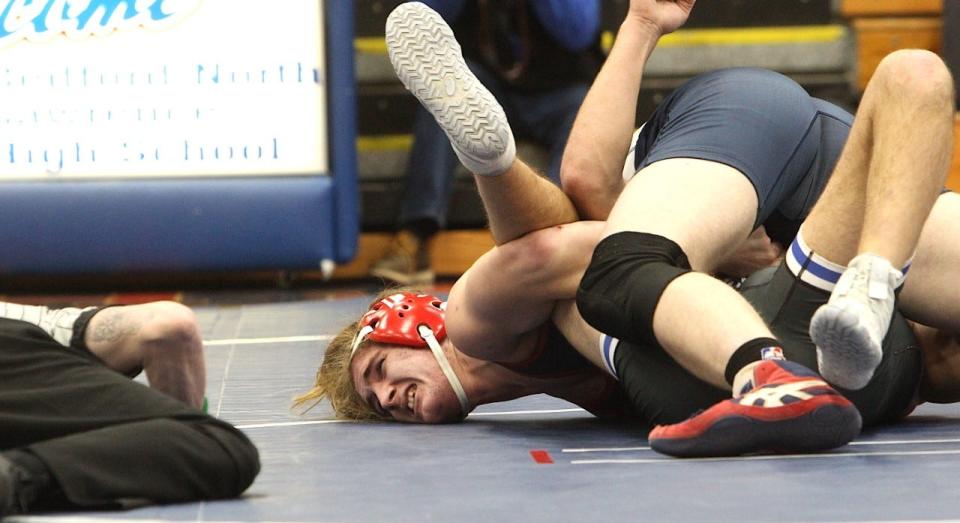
<point>872,278</point>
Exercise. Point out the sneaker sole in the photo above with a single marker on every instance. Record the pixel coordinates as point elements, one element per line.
<point>846,354</point>
<point>824,428</point>
<point>428,60</point>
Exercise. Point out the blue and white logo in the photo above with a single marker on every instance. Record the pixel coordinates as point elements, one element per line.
<point>42,20</point>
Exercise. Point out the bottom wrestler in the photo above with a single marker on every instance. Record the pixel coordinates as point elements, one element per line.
<point>514,330</point>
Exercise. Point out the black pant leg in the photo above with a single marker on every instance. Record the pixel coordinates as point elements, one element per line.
<point>787,304</point>
<point>106,439</point>
<point>660,389</point>
<point>160,460</point>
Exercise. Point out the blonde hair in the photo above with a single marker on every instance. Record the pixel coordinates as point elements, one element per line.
<point>334,380</point>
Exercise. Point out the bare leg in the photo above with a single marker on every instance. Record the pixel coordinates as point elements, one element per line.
<point>893,165</point>
<point>931,295</point>
<point>885,183</point>
<point>699,320</point>
<point>161,338</point>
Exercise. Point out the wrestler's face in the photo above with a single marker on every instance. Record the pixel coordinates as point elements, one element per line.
<point>404,383</point>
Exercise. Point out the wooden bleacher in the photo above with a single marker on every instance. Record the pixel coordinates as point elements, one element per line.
<point>878,37</point>
<point>883,26</point>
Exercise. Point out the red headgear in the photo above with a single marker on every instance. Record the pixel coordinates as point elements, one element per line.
<point>414,320</point>
<point>395,319</point>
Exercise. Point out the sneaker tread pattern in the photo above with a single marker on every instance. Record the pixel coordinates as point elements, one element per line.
<point>428,61</point>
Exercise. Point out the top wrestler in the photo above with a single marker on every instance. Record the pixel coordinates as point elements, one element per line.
<point>498,308</point>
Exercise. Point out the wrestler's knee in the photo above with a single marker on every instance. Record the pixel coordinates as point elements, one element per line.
<point>623,284</point>
<point>917,73</point>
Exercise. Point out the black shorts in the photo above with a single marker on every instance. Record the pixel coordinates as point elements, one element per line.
<point>761,123</point>
<point>662,391</point>
<point>787,304</point>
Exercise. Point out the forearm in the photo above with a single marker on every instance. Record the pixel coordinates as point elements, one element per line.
<point>161,338</point>
<point>600,137</point>
<point>512,289</point>
<point>182,376</point>
<point>520,201</point>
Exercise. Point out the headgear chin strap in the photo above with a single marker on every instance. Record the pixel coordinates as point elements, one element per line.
<point>412,320</point>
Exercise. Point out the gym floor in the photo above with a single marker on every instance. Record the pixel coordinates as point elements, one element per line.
<point>533,459</point>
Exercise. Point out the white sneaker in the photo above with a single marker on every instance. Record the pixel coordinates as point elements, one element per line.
<point>849,329</point>
<point>427,58</point>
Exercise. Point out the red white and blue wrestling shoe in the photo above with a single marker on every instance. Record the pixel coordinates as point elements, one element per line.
<point>789,409</point>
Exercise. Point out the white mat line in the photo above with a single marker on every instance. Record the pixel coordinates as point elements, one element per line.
<point>767,458</point>
<point>605,449</point>
<point>294,423</point>
<point>328,421</point>
<point>278,339</point>
<point>855,443</point>
<point>223,382</point>
<point>82,519</point>
<point>522,412</point>
<point>906,441</point>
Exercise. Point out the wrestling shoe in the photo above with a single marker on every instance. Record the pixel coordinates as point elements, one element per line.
<point>428,60</point>
<point>849,329</point>
<point>407,262</point>
<point>789,409</point>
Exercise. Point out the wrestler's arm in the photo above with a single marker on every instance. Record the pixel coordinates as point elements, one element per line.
<point>591,172</point>
<point>512,289</point>
<point>521,201</point>
<point>941,364</point>
<point>161,338</point>
<point>752,254</point>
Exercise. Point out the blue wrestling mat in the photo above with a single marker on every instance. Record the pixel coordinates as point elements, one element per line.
<point>534,459</point>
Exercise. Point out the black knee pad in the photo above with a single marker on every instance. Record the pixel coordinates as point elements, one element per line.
<point>624,281</point>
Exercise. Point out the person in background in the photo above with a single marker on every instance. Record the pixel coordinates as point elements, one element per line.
<point>538,59</point>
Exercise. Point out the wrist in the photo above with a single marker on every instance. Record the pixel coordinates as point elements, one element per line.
<point>642,27</point>
<point>641,36</point>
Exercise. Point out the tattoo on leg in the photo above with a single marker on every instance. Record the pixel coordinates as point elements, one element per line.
<point>112,328</point>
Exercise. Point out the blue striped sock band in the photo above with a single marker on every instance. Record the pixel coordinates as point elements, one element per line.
<point>608,347</point>
<point>816,270</point>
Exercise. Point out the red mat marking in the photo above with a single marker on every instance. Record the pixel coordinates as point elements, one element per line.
<point>542,457</point>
